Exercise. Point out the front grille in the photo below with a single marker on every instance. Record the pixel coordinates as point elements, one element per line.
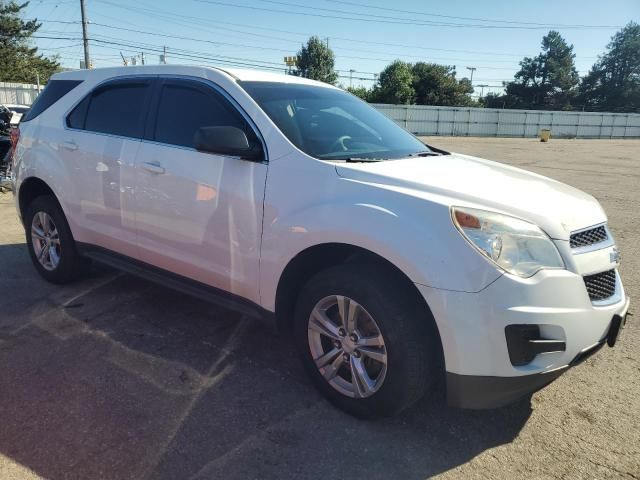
<point>601,285</point>
<point>588,237</point>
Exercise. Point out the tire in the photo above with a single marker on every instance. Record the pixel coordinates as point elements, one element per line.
<point>64,263</point>
<point>405,367</point>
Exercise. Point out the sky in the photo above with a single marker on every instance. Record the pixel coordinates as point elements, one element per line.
<point>490,35</point>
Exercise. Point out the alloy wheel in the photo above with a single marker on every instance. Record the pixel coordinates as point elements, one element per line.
<point>45,240</point>
<point>347,346</point>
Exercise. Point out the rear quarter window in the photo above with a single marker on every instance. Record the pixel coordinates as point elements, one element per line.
<point>54,91</point>
<point>117,108</point>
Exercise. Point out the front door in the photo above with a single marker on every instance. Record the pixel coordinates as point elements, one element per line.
<point>198,214</point>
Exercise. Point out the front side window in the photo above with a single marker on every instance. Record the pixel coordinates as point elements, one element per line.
<point>116,109</point>
<point>331,124</point>
<point>185,107</point>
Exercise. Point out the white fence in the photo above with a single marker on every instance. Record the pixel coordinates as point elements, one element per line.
<point>489,122</point>
<point>18,93</point>
<point>462,121</point>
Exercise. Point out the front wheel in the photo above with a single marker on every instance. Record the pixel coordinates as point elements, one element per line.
<point>370,347</point>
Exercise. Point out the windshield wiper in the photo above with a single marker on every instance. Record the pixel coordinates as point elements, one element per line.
<point>425,154</point>
<point>361,159</point>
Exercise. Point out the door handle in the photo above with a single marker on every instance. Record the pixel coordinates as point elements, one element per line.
<point>153,167</point>
<point>70,145</point>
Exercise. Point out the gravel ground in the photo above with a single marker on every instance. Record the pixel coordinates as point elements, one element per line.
<point>117,378</point>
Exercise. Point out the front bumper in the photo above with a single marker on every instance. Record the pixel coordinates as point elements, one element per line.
<point>482,392</point>
<point>480,372</point>
<point>478,392</point>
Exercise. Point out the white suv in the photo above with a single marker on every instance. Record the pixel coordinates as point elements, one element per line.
<point>392,263</point>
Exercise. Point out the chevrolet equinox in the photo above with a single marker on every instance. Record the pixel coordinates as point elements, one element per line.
<point>393,264</point>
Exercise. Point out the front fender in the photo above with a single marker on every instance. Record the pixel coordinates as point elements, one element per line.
<point>414,234</point>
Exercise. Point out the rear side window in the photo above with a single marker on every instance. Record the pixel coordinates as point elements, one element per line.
<point>115,109</point>
<point>54,91</point>
<point>184,108</point>
<point>77,116</point>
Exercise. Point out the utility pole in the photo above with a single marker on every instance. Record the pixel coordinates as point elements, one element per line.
<point>142,57</point>
<point>124,60</point>
<point>473,69</point>
<point>482,89</point>
<point>164,55</point>
<point>85,36</point>
<point>351,77</point>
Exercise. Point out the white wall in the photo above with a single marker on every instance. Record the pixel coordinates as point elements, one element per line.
<point>17,93</point>
<point>489,122</point>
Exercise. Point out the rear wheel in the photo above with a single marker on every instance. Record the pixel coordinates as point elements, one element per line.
<point>370,347</point>
<point>50,243</point>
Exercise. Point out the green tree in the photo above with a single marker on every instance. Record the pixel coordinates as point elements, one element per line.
<point>613,83</point>
<point>362,92</point>
<point>548,80</point>
<point>19,62</point>
<point>496,100</point>
<point>437,85</point>
<point>316,61</point>
<point>395,84</point>
<point>423,84</point>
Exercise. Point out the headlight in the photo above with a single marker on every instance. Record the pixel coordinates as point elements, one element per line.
<point>519,247</point>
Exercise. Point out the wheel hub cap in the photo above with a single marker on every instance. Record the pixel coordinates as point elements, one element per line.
<point>347,345</point>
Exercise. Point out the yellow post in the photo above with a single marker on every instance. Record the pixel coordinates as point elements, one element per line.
<point>545,135</point>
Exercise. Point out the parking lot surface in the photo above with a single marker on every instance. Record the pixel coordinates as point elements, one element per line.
<point>117,378</point>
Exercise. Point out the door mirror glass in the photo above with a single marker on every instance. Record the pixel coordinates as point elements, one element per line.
<point>226,140</point>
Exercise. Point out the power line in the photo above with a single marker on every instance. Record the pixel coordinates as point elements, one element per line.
<point>284,50</point>
<point>376,59</point>
<point>492,20</point>
<point>261,47</point>
<point>171,17</point>
<point>188,55</point>
<point>358,16</point>
<point>61,47</point>
<point>216,42</point>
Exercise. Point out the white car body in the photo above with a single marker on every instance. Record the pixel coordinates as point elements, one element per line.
<point>236,225</point>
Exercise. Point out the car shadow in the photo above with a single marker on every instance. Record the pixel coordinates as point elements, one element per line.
<point>115,377</point>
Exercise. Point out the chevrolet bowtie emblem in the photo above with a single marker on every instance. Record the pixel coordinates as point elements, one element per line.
<point>614,256</point>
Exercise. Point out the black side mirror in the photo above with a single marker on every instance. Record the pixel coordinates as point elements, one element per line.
<point>226,140</point>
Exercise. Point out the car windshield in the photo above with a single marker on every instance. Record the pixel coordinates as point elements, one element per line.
<point>331,124</point>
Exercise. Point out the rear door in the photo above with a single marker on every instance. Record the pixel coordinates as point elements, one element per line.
<point>198,214</point>
<point>101,141</point>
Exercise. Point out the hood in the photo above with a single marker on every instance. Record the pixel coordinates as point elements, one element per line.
<point>469,181</point>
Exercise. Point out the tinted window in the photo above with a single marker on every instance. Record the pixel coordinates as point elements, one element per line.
<point>329,123</point>
<point>54,91</point>
<point>118,110</point>
<point>184,108</point>
<point>77,116</point>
